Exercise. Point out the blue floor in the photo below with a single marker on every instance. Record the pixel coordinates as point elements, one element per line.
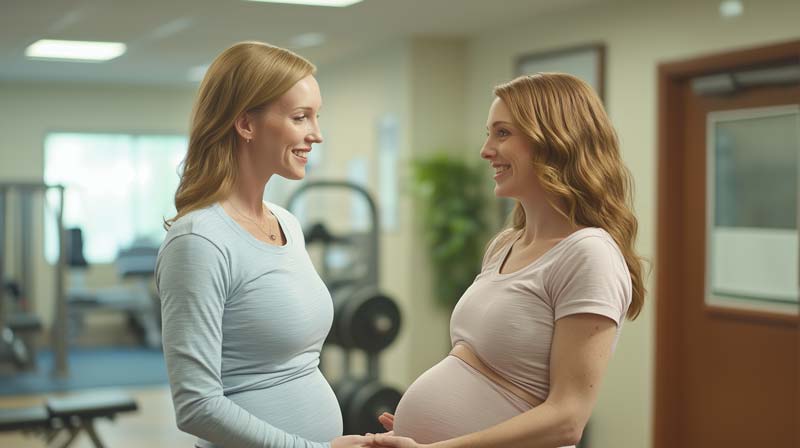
<point>90,368</point>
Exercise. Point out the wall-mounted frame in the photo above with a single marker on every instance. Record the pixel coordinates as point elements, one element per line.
<point>587,62</point>
<point>584,61</point>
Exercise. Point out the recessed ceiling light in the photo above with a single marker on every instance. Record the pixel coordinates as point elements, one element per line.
<point>336,3</point>
<point>731,8</point>
<point>73,50</point>
<point>307,40</point>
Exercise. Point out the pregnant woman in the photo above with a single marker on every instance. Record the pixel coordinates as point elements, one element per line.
<point>534,333</point>
<point>244,311</point>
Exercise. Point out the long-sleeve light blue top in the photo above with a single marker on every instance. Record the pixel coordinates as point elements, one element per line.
<point>243,326</point>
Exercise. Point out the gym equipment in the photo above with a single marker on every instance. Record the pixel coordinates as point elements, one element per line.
<point>135,300</point>
<point>365,319</point>
<point>363,244</point>
<point>15,338</point>
<point>19,330</point>
<point>16,343</point>
<point>67,417</point>
<point>362,401</point>
<point>139,263</point>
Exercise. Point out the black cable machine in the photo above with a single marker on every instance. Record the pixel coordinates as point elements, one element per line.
<point>366,320</point>
<point>18,323</point>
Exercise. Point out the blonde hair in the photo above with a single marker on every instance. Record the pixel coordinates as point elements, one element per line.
<point>244,78</point>
<point>577,160</point>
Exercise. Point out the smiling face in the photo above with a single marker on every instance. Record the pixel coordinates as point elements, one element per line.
<point>282,135</point>
<point>509,152</point>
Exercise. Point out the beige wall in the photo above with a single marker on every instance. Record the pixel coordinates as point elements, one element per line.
<point>639,35</point>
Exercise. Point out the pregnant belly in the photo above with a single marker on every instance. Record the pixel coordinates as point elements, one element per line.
<point>452,399</point>
<point>304,406</point>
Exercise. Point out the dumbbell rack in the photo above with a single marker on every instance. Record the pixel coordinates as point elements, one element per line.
<point>366,321</point>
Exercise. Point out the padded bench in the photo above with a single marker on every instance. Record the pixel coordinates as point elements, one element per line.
<point>68,415</point>
<point>24,323</point>
<point>22,419</point>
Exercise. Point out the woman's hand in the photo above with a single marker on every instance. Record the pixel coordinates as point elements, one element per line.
<point>386,440</point>
<point>387,420</point>
<point>352,442</point>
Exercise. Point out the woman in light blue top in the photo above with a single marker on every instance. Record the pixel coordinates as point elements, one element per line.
<point>244,312</point>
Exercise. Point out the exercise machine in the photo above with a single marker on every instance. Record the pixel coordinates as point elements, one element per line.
<point>134,299</point>
<point>18,322</point>
<point>365,320</point>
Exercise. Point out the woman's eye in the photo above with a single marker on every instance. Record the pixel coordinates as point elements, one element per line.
<point>300,118</point>
<point>503,133</point>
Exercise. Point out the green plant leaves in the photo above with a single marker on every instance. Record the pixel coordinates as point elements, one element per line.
<point>453,204</point>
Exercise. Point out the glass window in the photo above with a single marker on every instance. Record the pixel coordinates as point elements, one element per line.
<point>752,192</point>
<point>119,188</point>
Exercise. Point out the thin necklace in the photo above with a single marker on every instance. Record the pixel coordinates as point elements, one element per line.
<point>271,236</point>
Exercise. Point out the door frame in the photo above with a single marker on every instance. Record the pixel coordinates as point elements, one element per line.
<point>673,78</point>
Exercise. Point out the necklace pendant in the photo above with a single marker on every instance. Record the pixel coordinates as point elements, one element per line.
<point>273,237</point>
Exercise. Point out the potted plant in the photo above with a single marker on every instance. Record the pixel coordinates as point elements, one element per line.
<point>454,203</point>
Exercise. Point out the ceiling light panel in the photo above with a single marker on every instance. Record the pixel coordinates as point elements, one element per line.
<point>79,51</point>
<point>333,3</point>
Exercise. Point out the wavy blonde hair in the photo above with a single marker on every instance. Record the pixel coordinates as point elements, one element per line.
<point>244,78</point>
<point>577,160</point>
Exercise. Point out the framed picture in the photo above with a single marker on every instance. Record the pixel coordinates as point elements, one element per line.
<point>584,61</point>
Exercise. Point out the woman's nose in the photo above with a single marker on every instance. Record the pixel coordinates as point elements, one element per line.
<point>315,135</point>
<point>487,152</point>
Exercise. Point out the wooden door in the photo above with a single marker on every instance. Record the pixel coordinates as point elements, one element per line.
<point>727,364</point>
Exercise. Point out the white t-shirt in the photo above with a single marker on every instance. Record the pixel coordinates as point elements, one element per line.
<point>508,319</point>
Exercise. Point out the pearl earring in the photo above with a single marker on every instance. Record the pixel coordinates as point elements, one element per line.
<point>248,140</point>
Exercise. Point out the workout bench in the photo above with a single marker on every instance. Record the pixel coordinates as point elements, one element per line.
<point>68,415</point>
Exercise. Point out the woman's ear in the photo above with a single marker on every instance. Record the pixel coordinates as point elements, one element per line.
<point>244,126</point>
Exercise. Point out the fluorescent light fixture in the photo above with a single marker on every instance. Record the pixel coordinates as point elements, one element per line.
<point>79,51</point>
<point>334,3</point>
<point>307,40</point>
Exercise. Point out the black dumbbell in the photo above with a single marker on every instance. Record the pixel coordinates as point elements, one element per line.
<point>364,318</point>
<point>362,401</point>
